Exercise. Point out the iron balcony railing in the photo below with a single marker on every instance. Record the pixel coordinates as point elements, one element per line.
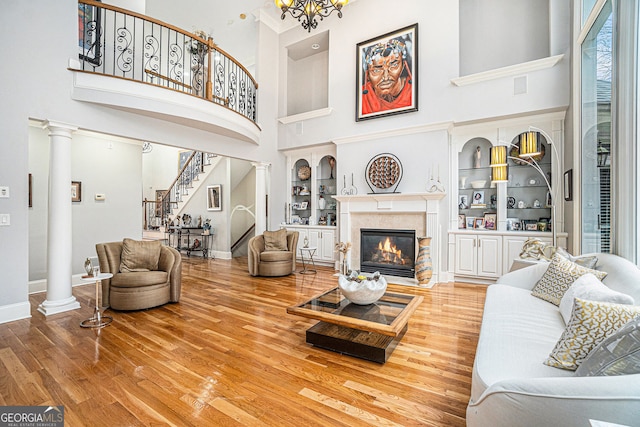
<point>121,43</point>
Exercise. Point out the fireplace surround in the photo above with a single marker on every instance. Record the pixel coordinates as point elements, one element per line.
<point>402,211</point>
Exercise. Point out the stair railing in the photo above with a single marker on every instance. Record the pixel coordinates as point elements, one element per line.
<point>120,43</point>
<point>244,236</point>
<point>156,213</point>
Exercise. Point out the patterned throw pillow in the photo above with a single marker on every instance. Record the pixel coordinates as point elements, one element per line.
<point>559,277</point>
<point>619,354</point>
<point>591,322</point>
<point>590,288</point>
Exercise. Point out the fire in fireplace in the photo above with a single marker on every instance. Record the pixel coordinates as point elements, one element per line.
<point>390,252</point>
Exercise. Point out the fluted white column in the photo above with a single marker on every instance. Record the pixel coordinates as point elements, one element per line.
<point>262,183</point>
<point>59,224</point>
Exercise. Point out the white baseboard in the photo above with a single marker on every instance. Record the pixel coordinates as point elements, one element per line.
<point>37,286</point>
<point>12,312</point>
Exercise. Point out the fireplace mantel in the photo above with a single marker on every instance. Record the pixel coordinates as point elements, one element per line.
<point>428,204</point>
<point>386,197</point>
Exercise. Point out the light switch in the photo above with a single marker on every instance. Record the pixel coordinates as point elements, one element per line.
<point>100,196</point>
<point>5,219</point>
<point>4,192</point>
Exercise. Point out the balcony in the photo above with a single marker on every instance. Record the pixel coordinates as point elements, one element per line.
<point>138,64</point>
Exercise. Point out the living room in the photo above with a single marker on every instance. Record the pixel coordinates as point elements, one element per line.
<point>451,110</point>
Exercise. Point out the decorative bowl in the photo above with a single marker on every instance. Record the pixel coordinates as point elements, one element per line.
<point>361,289</point>
<point>478,184</point>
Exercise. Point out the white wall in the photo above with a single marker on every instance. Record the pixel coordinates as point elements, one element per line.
<point>159,169</point>
<point>438,62</point>
<point>519,27</point>
<point>103,165</point>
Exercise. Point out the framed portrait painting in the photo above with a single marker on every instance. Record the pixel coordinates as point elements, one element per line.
<point>387,74</point>
<point>214,197</point>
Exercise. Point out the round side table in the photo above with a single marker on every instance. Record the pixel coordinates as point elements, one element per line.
<point>97,320</point>
<point>305,267</point>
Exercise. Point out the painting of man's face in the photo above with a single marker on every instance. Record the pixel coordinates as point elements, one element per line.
<point>384,74</point>
<point>387,74</point>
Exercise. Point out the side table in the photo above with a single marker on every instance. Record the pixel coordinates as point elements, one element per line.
<point>310,253</point>
<point>97,320</point>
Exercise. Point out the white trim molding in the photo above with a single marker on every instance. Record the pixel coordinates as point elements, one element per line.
<point>511,70</point>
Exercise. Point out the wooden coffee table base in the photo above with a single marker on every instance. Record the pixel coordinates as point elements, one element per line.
<point>353,342</point>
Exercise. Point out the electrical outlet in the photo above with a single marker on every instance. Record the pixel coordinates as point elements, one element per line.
<point>4,192</point>
<point>5,220</point>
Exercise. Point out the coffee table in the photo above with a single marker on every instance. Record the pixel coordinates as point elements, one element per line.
<point>369,332</point>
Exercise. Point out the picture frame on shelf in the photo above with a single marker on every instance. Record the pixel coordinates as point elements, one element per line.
<point>530,225</point>
<point>463,201</point>
<point>462,221</point>
<point>214,197</point>
<point>76,191</point>
<point>471,222</point>
<point>304,205</point>
<point>516,225</point>
<point>372,57</point>
<point>548,200</point>
<point>478,198</point>
<point>295,206</point>
<point>478,222</point>
<point>490,221</point>
<point>510,222</point>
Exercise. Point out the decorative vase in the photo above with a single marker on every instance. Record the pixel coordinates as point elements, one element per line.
<point>88,267</point>
<point>322,203</point>
<point>424,268</point>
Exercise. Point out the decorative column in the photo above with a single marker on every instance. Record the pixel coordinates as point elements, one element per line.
<point>261,195</point>
<point>59,226</point>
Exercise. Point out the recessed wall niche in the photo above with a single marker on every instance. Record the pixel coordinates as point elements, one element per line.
<point>308,74</point>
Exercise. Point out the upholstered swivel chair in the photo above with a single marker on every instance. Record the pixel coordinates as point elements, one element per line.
<point>273,253</point>
<point>145,274</point>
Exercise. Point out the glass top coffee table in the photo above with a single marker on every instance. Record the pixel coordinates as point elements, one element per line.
<point>370,332</point>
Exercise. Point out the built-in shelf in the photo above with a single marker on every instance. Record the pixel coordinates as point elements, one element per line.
<point>511,70</point>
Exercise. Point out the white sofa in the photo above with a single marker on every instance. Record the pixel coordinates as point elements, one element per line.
<point>512,387</point>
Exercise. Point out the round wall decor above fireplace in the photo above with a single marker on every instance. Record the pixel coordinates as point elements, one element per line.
<point>383,173</point>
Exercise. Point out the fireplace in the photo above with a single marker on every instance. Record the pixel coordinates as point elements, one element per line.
<point>391,252</point>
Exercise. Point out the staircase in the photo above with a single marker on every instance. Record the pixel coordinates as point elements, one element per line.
<point>157,215</point>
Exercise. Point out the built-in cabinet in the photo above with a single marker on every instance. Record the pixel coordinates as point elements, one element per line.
<point>492,220</point>
<point>321,238</point>
<point>312,209</point>
<point>489,254</point>
<point>478,255</point>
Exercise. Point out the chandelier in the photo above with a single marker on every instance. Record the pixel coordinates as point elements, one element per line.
<point>306,11</point>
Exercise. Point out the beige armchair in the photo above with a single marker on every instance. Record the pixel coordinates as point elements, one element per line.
<point>145,274</point>
<point>273,253</point>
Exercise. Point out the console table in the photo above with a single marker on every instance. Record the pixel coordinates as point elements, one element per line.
<point>185,238</point>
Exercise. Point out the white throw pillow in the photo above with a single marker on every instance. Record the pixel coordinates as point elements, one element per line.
<point>590,288</point>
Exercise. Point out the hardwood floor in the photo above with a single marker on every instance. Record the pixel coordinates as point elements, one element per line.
<point>229,354</point>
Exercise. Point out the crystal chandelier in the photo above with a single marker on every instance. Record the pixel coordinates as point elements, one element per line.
<point>306,11</point>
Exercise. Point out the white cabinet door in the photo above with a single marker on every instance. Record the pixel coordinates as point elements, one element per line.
<point>327,245</point>
<point>302,233</point>
<point>466,254</point>
<point>511,248</point>
<point>490,256</point>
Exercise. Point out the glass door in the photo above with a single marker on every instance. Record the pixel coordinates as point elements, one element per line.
<point>597,93</point>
